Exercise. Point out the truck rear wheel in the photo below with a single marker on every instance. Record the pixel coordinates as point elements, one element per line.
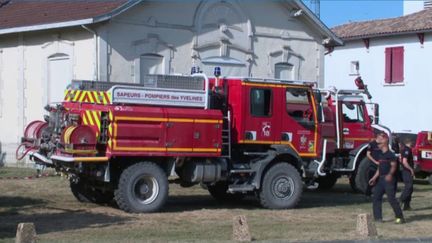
<point>142,188</point>
<point>85,192</point>
<point>281,187</point>
<point>365,171</point>
<point>327,182</point>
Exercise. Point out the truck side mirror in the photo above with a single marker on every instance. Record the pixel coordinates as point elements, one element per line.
<point>376,113</point>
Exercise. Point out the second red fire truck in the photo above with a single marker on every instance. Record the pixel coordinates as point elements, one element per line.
<point>236,136</point>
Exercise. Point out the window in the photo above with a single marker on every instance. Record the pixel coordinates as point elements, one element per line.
<point>284,70</point>
<point>394,65</point>
<point>355,68</point>
<point>298,105</point>
<point>260,101</point>
<point>150,64</point>
<point>352,112</point>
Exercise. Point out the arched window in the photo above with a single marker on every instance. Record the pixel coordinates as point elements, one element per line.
<point>59,76</point>
<point>284,70</point>
<point>151,64</point>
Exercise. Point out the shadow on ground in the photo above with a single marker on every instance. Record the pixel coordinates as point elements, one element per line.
<point>339,195</point>
<point>50,219</point>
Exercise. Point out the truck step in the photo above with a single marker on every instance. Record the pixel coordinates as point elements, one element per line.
<point>239,171</point>
<point>240,188</point>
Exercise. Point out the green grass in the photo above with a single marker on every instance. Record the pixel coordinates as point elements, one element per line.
<point>192,215</point>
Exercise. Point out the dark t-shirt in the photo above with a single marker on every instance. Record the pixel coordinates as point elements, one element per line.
<point>385,160</point>
<point>373,149</point>
<point>407,153</point>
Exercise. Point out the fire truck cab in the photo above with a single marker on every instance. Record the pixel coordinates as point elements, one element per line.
<point>235,136</point>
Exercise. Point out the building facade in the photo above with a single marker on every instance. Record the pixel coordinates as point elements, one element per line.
<point>44,45</point>
<point>391,55</point>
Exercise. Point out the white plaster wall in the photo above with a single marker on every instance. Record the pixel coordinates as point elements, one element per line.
<point>23,76</point>
<point>404,107</point>
<point>171,29</point>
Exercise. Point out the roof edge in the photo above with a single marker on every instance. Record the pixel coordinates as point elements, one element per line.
<point>46,26</point>
<point>338,41</point>
<point>353,38</point>
<point>97,19</point>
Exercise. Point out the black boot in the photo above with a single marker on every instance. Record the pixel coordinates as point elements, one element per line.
<point>406,206</point>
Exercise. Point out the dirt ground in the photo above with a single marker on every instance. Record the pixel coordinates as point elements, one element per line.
<point>192,215</point>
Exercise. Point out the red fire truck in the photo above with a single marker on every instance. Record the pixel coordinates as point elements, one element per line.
<point>422,155</point>
<point>236,136</point>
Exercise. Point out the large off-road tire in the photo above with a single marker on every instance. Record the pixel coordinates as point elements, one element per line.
<point>364,172</point>
<point>281,187</point>
<point>327,182</point>
<point>83,191</point>
<point>142,188</point>
<point>352,182</point>
<point>219,192</point>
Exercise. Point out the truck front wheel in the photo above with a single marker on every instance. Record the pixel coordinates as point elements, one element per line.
<point>142,188</point>
<point>365,171</point>
<point>281,187</point>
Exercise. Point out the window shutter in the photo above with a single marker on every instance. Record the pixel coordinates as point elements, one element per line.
<point>398,65</point>
<point>388,65</point>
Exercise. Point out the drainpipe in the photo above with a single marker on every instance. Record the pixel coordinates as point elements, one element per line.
<point>96,46</point>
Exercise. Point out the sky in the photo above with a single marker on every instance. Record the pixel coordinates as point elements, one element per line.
<point>337,12</point>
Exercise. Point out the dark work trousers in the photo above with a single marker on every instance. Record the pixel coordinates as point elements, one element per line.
<point>370,174</point>
<point>389,189</point>
<point>408,189</point>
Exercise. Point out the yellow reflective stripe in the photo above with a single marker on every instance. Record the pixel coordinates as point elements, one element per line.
<point>207,121</point>
<point>96,119</point>
<point>84,117</point>
<point>91,159</point>
<point>83,95</point>
<point>66,95</point>
<point>121,118</point>
<point>160,119</point>
<point>90,96</point>
<point>89,116</point>
<point>104,101</point>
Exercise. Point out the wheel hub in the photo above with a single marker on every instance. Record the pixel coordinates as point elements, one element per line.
<point>145,189</point>
<point>283,187</point>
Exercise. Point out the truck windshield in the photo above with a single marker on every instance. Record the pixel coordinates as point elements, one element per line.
<point>352,112</point>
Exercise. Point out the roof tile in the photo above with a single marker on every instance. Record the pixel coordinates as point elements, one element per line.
<point>19,13</point>
<point>416,22</point>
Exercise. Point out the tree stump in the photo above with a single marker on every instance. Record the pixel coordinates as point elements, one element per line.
<point>366,226</point>
<point>241,229</point>
<point>26,233</point>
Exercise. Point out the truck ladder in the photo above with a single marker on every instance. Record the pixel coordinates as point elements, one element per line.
<point>226,136</point>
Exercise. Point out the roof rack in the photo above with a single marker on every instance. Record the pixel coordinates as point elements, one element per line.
<point>279,81</point>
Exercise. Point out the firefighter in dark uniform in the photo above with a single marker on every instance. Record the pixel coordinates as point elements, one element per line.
<point>384,182</point>
<point>407,174</point>
<point>372,154</point>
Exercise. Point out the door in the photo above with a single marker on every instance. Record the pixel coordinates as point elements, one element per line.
<point>59,77</point>
<point>299,121</point>
<point>260,120</point>
<point>356,126</point>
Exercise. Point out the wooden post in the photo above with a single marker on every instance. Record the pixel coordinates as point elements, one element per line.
<point>365,226</point>
<point>26,233</point>
<point>241,229</point>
